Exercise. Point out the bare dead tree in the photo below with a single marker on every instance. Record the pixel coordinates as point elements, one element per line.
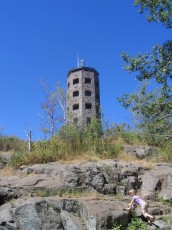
<point>53,107</point>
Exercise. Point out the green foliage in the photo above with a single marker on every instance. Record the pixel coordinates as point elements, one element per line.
<point>165,152</point>
<point>116,226</point>
<point>42,152</point>
<point>165,202</point>
<point>45,193</point>
<point>89,140</point>
<point>158,10</point>
<point>12,143</point>
<point>137,224</point>
<point>152,112</point>
<point>17,159</point>
<point>157,65</point>
<point>69,144</point>
<point>71,136</point>
<point>124,133</point>
<point>94,129</point>
<point>41,193</point>
<point>72,192</point>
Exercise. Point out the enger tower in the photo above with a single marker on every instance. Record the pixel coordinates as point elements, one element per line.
<point>83,96</point>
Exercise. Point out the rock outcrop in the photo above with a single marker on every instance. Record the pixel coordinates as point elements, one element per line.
<point>69,214</point>
<point>34,198</point>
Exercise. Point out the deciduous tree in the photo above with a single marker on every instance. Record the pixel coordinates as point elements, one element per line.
<point>156,10</point>
<point>153,110</point>
<point>53,109</point>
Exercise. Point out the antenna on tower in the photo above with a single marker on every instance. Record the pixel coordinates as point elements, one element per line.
<point>78,64</point>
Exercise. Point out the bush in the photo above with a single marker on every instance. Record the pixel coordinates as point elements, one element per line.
<point>13,143</point>
<point>165,152</point>
<point>137,224</point>
<point>124,133</point>
<point>72,143</point>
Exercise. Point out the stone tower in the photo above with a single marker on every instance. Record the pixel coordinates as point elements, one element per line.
<point>83,97</point>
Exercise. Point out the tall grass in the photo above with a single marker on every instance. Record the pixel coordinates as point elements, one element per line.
<point>165,152</point>
<point>71,144</point>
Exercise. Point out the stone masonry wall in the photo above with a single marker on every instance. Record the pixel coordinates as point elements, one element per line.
<point>81,107</point>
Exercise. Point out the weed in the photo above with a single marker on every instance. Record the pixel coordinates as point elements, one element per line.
<point>60,192</point>
<point>54,207</point>
<point>165,202</point>
<point>75,193</point>
<point>165,152</point>
<point>41,193</point>
<point>137,224</point>
<point>116,227</point>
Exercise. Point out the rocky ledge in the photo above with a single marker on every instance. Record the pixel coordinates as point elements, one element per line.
<point>34,198</point>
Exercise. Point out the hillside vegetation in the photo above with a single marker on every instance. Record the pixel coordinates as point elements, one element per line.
<point>72,144</point>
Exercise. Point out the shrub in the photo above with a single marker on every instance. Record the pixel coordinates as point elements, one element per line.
<point>18,159</point>
<point>137,224</point>
<point>71,143</point>
<point>165,152</point>
<point>117,227</point>
<point>13,143</point>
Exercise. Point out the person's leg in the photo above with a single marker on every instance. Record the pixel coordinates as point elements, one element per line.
<point>146,214</point>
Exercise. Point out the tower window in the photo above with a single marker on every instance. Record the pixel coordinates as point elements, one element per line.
<point>75,120</point>
<point>87,93</point>
<point>68,84</point>
<point>75,81</point>
<point>88,120</point>
<point>75,106</point>
<point>88,105</point>
<point>75,93</point>
<point>87,80</point>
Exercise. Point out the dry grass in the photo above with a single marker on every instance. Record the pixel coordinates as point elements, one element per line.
<point>7,171</point>
<point>123,156</point>
<point>80,194</point>
<point>77,158</point>
<point>143,162</point>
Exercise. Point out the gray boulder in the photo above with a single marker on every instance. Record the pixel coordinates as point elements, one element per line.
<point>141,151</point>
<point>62,214</point>
<point>162,224</point>
<point>101,212</point>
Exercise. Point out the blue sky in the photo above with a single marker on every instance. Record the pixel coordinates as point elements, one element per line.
<point>41,38</point>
